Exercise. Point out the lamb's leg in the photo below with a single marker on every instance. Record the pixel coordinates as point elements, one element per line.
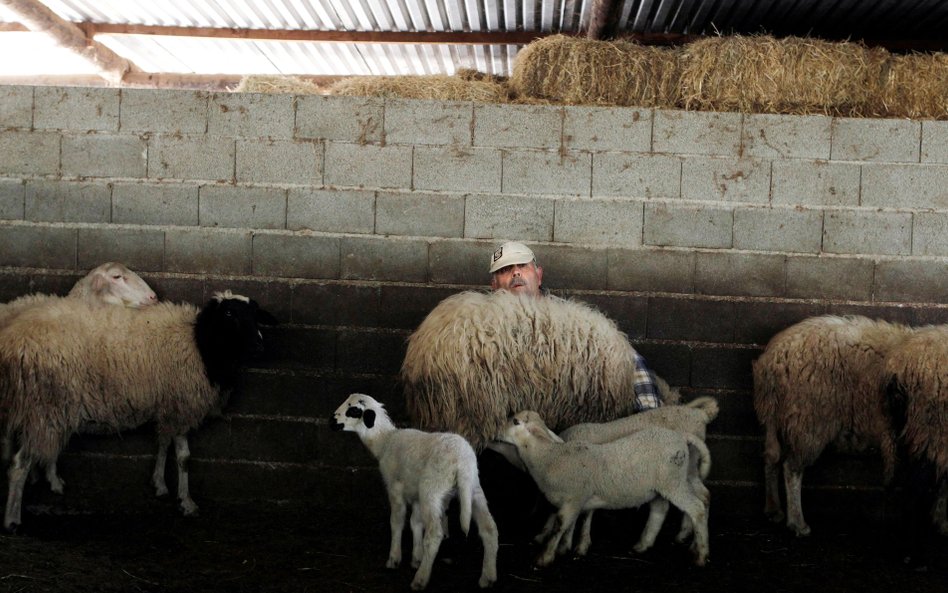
<point>793,482</point>
<point>547,530</point>
<point>585,534</point>
<point>772,509</point>
<point>691,504</point>
<point>657,509</point>
<point>565,517</point>
<point>396,523</point>
<point>161,458</point>
<point>52,476</point>
<point>940,510</point>
<point>566,542</point>
<point>182,453</point>
<point>487,530</point>
<point>417,533</point>
<point>16,477</point>
<point>431,512</point>
<point>698,487</point>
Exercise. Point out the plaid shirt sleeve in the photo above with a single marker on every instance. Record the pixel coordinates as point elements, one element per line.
<point>646,393</point>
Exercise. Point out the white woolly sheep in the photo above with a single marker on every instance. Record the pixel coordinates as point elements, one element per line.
<point>646,467</point>
<point>66,366</point>
<point>478,358</point>
<point>819,382</point>
<point>425,470</point>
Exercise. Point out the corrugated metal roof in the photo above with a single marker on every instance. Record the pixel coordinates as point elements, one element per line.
<point>154,49</point>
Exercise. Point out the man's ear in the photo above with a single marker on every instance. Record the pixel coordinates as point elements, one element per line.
<point>368,418</point>
<point>539,276</point>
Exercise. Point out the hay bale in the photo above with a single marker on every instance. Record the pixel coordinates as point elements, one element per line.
<point>577,71</point>
<point>438,87</point>
<point>794,75</point>
<point>916,86</point>
<point>278,84</point>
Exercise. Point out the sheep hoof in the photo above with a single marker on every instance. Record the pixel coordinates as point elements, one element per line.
<point>393,562</point>
<point>419,583</point>
<point>800,531</point>
<point>485,582</point>
<point>189,508</point>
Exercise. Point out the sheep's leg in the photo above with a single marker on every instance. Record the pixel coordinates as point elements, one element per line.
<point>52,476</point>
<point>687,528</point>
<point>487,530</point>
<point>793,482</point>
<point>657,510</point>
<point>431,513</point>
<point>566,542</point>
<point>547,530</point>
<point>940,510</point>
<point>181,454</point>
<point>772,509</point>
<point>585,534</point>
<point>16,477</point>
<point>396,523</point>
<point>565,517</point>
<point>417,533</point>
<point>161,458</point>
<point>692,505</point>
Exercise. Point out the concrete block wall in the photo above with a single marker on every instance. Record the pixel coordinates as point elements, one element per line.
<point>701,234</point>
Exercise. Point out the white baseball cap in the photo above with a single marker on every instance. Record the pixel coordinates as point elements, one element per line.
<point>510,253</point>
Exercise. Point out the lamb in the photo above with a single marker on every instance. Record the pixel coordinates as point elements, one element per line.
<point>425,470</point>
<point>66,366</point>
<point>816,383</point>
<point>649,466</point>
<point>478,358</point>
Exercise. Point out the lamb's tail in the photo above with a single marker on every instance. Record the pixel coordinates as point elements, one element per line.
<point>467,483</point>
<point>670,396</point>
<point>706,404</point>
<point>697,447</point>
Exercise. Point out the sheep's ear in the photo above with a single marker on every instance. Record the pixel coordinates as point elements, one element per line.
<point>99,283</point>
<point>264,317</point>
<point>368,418</point>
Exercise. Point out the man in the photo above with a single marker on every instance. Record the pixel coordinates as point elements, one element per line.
<point>514,267</point>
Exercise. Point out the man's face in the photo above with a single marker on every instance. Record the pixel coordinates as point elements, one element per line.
<point>518,279</point>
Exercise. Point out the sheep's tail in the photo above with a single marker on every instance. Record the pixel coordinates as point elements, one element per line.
<point>467,484</point>
<point>706,404</point>
<point>697,447</point>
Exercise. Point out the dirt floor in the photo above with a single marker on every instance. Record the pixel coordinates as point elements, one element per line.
<point>271,547</point>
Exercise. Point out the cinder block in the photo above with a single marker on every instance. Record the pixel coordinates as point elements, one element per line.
<point>518,126</point>
<point>38,246</point>
<point>934,142</point>
<point>384,258</point>
<point>755,322</point>
<point>866,139</point>
<point>16,107</point>
<point>457,168</point>
<point>867,231</point>
<point>77,109</point>
<point>740,274</point>
<point>341,119</point>
<point>778,229</point>
<point>280,161</point>
<point>191,157</point>
<point>141,250</point>
<point>155,203</point>
<point>242,207</point>
<point>719,367</point>
<point>420,214</point>
<point>671,362</point>
<point>335,211</point>
<point>630,313</point>
<point>12,199</point>
<point>687,225</point>
<point>905,186</point>
<point>368,165</point>
<point>569,268</point>
<point>32,153</point>
<point>815,183</point>
<point>295,347</point>
<point>567,173</point>
<point>254,115</point>
<point>428,122</point>
<point>727,180</point>
<point>370,351</point>
<point>321,303</point>
<point>607,128</point>
<point>697,132</point>
<point>651,270</point>
<point>164,111</point>
<point>930,233</point>
<point>604,222</point>
<point>772,136</point>
<point>460,262</point>
<point>691,319</point>
<point>104,155</point>
<point>911,280</point>
<point>499,217</point>
<point>208,251</point>
<point>405,307</point>
<point>295,255</point>
<point>636,175</point>
<point>65,201</point>
<point>828,277</point>
<point>265,439</point>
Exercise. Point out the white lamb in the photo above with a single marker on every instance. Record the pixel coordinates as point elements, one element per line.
<point>426,470</point>
<point>649,466</point>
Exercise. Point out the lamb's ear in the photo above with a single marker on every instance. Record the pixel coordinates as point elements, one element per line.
<point>368,418</point>
<point>553,436</point>
<point>539,432</point>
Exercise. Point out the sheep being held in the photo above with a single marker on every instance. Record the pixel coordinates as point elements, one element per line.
<point>820,382</point>
<point>478,358</point>
<point>66,366</point>
<point>425,470</point>
<point>646,467</point>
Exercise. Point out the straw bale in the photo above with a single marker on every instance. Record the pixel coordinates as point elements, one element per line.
<point>916,86</point>
<point>794,75</point>
<point>577,71</point>
<point>278,84</point>
<point>438,87</point>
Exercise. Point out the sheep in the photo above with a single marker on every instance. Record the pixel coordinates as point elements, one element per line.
<point>478,358</point>
<point>66,367</point>
<point>692,418</point>
<point>425,470</point>
<point>649,466</point>
<point>816,383</point>
<point>916,377</point>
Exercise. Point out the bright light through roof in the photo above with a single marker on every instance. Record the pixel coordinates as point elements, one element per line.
<point>30,54</point>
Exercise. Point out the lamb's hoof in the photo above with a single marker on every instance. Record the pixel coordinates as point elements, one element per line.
<point>393,563</point>
<point>419,584</point>
<point>799,531</point>
<point>57,488</point>
<point>189,508</point>
<point>774,516</point>
<point>161,491</point>
<point>11,527</point>
<point>486,582</point>
<point>543,562</point>
<point>640,548</point>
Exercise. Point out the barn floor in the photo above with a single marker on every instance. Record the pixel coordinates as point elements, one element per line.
<point>271,547</point>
